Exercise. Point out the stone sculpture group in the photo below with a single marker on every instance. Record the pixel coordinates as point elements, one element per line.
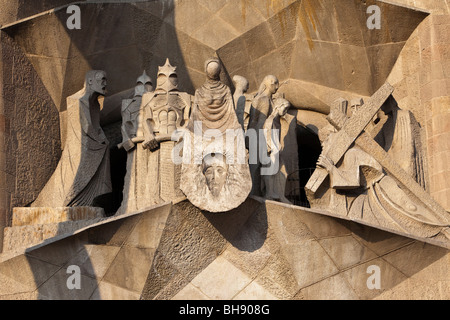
<point>232,145</point>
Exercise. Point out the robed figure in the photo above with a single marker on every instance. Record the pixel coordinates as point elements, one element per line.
<point>83,172</point>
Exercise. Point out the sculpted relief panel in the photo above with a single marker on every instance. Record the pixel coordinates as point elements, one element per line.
<point>217,148</point>
<point>357,179</point>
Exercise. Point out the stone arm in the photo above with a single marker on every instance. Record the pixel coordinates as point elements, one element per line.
<point>127,142</point>
<point>340,178</point>
<point>148,126</point>
<point>260,110</point>
<point>89,129</point>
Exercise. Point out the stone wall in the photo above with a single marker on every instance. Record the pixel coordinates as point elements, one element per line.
<point>255,252</point>
<point>421,78</point>
<point>29,131</point>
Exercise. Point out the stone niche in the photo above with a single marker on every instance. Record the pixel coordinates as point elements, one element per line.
<point>320,50</point>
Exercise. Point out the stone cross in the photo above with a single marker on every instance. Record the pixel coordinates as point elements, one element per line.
<point>350,132</point>
<point>353,132</point>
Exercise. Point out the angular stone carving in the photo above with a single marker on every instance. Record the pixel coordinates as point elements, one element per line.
<point>215,172</point>
<point>366,184</point>
<point>134,192</point>
<point>83,171</point>
<point>262,107</point>
<point>155,177</point>
<point>400,137</point>
<point>280,136</point>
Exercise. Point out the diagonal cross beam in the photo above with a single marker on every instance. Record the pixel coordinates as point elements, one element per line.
<point>353,132</point>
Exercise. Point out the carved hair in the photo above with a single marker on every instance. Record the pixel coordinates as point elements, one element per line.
<point>267,81</point>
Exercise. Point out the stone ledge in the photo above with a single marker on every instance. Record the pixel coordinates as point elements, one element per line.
<point>40,216</point>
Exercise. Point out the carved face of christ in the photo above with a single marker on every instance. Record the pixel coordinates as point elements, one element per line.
<point>215,170</point>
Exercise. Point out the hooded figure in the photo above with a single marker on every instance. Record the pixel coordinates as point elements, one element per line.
<point>213,104</point>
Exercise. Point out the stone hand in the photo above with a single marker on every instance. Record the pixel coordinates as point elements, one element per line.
<point>325,162</point>
<point>128,145</point>
<point>151,144</point>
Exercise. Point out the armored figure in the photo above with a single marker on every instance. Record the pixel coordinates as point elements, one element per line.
<point>166,109</point>
<point>134,196</point>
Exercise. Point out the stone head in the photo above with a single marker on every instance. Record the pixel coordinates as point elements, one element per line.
<point>167,80</point>
<point>143,85</point>
<point>241,83</point>
<point>215,170</point>
<point>270,85</point>
<point>96,81</point>
<point>355,104</point>
<point>213,68</point>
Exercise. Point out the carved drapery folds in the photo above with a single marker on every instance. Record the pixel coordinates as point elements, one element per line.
<point>83,172</point>
<point>215,174</point>
<point>357,179</point>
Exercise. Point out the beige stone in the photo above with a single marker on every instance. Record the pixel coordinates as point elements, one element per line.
<point>190,293</point>
<point>83,171</point>
<point>332,288</point>
<point>33,216</point>
<point>107,291</point>
<point>123,274</point>
<point>346,251</point>
<point>260,249</point>
<point>309,261</point>
<point>225,287</point>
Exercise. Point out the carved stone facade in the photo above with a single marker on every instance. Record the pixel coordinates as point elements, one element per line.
<point>316,148</point>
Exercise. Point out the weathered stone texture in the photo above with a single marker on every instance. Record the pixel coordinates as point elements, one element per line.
<point>30,135</point>
<point>258,251</point>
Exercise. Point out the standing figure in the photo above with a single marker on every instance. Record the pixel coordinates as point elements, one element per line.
<point>262,107</point>
<point>83,172</point>
<point>213,104</point>
<point>137,157</point>
<point>242,100</point>
<point>278,130</point>
<point>165,110</point>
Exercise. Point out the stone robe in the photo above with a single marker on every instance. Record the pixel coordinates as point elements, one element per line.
<point>83,172</point>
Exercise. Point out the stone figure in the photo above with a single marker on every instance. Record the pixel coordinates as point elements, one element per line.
<point>134,192</point>
<point>262,107</point>
<point>400,137</point>
<point>279,130</point>
<point>215,173</point>
<point>213,104</point>
<point>166,109</point>
<point>163,112</point>
<point>243,101</point>
<point>360,189</point>
<point>83,172</point>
